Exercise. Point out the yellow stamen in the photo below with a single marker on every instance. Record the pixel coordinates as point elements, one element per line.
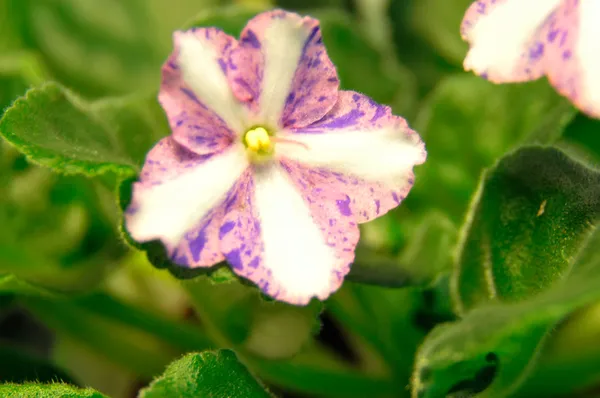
<point>258,140</point>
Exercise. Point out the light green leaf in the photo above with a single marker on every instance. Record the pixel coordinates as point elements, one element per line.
<point>268,329</point>
<point>18,71</point>
<point>95,48</point>
<point>516,247</point>
<point>438,22</point>
<point>570,359</point>
<point>10,284</point>
<point>141,342</point>
<point>209,374</point>
<point>34,390</point>
<point>533,212</point>
<point>428,250</point>
<point>468,124</point>
<point>57,129</point>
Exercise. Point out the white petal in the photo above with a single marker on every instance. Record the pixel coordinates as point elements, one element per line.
<point>282,45</point>
<point>503,34</point>
<point>588,51</point>
<point>295,250</point>
<point>199,62</point>
<point>168,210</point>
<point>384,155</point>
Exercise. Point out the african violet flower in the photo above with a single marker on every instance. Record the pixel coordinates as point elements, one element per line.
<point>520,40</point>
<point>269,165</point>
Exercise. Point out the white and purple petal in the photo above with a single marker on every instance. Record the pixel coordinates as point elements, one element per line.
<point>203,113</point>
<point>359,149</point>
<point>200,246</point>
<point>178,189</point>
<point>289,241</point>
<point>507,38</point>
<point>573,54</point>
<point>282,71</point>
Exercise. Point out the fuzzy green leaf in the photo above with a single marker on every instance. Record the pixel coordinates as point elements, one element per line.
<point>529,258</point>
<point>55,128</point>
<point>209,374</point>
<point>34,390</point>
<point>534,211</point>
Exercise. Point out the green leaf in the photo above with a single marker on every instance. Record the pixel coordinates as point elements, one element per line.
<point>583,135</point>
<point>533,212</point>
<point>10,284</point>
<point>427,253</point>
<point>570,359</point>
<point>267,329</point>
<point>236,316</point>
<point>438,22</point>
<point>497,344</point>
<point>210,374</point>
<point>376,317</point>
<point>17,72</point>
<point>502,341</point>
<point>361,67</point>
<point>97,49</point>
<point>468,124</point>
<point>35,390</point>
<point>141,342</point>
<point>55,128</point>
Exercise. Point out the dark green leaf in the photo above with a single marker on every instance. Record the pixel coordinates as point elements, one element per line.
<point>210,374</point>
<point>377,316</point>
<point>505,338</point>
<point>583,135</point>
<point>34,390</point>
<point>55,128</point>
<point>19,367</point>
<point>533,212</point>
<point>553,250</point>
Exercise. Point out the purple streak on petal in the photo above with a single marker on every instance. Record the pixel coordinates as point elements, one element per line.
<point>183,107</point>
<point>344,206</point>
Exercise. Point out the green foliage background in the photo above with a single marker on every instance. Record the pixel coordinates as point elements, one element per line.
<point>484,283</point>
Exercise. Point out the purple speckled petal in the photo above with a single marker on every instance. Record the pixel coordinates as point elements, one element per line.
<point>293,243</point>
<point>282,71</point>
<point>507,38</point>
<point>572,61</point>
<point>201,246</point>
<point>196,102</point>
<point>359,149</point>
<point>180,193</point>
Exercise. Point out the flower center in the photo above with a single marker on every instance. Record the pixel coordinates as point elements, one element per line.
<point>259,144</point>
<point>258,140</point>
